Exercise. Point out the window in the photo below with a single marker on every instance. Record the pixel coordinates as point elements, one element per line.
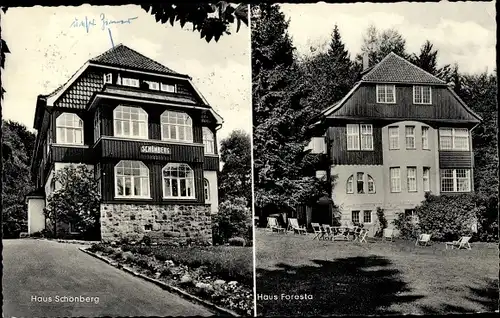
<point>317,145</point>
<point>455,180</point>
<point>454,139</point>
<point>97,125</point>
<point>131,180</point>
<point>411,175</point>
<point>108,78</point>
<point>422,95</point>
<point>366,137</point>
<point>321,174</point>
<point>178,181</point>
<point>69,129</point>
<point>426,176</point>
<point>350,184</point>
<point>148,227</point>
<point>133,82</point>
<point>360,183</point>
<point>355,217</point>
<point>371,185</point>
<point>168,88</point>
<point>395,179</point>
<point>386,94</point>
<point>206,190</point>
<point>153,85</point>
<point>425,137</point>
<point>393,138</point>
<point>130,122</point>
<point>367,216</point>
<point>176,126</point>
<point>352,137</point>
<point>48,140</point>
<point>410,137</point>
<point>208,140</point>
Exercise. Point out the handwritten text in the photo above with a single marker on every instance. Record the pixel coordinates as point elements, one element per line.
<point>103,22</point>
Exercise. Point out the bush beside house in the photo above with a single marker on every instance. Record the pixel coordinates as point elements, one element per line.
<point>232,221</point>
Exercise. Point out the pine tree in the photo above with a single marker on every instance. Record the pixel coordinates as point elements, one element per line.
<point>427,58</point>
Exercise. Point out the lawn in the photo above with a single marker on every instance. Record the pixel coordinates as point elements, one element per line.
<point>346,278</point>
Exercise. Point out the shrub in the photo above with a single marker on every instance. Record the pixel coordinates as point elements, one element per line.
<point>47,233</point>
<point>382,222</point>
<point>124,241</point>
<point>37,234</point>
<point>117,254</point>
<point>130,258</point>
<point>406,227</point>
<point>237,241</point>
<point>161,256</point>
<point>232,220</point>
<point>448,217</point>
<point>144,250</point>
<point>146,240</point>
<point>125,248</point>
<point>99,247</point>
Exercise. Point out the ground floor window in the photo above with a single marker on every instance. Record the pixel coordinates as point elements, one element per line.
<point>455,180</point>
<point>355,217</point>
<point>206,190</point>
<point>178,181</point>
<point>131,179</point>
<point>367,216</point>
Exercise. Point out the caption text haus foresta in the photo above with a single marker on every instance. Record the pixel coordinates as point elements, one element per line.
<point>150,137</point>
<point>399,133</point>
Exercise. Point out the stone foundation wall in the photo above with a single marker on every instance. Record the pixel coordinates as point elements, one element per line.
<point>166,224</point>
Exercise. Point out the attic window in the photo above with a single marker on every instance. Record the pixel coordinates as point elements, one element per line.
<point>422,95</point>
<point>168,88</point>
<point>108,78</point>
<point>133,82</point>
<point>153,85</point>
<point>386,94</point>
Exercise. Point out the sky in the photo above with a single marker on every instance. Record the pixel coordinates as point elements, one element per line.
<point>46,51</point>
<point>463,32</point>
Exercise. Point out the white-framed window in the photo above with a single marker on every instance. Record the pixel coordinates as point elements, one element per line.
<point>317,145</point>
<point>393,138</point>
<point>108,78</point>
<point>176,126</point>
<point>132,82</point>
<point>395,173</point>
<point>48,140</point>
<point>411,176</point>
<point>366,137</point>
<point>153,85</point>
<point>386,94</point>
<point>352,137</point>
<point>130,122</point>
<point>131,180</point>
<point>371,184</point>
<point>454,139</point>
<point>178,181</point>
<point>170,88</point>
<point>350,184</point>
<point>410,137</point>
<point>355,217</point>
<point>422,95</point>
<point>208,140</point>
<point>425,137</point>
<point>69,129</point>
<point>321,174</point>
<point>206,190</point>
<point>426,177</point>
<point>367,216</point>
<point>360,182</point>
<point>455,180</point>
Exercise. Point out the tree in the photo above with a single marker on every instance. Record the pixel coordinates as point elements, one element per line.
<point>280,116</point>
<point>16,182</point>
<point>378,45</point>
<point>235,178</point>
<point>212,20</point>
<point>427,58</point>
<point>232,220</point>
<point>76,200</point>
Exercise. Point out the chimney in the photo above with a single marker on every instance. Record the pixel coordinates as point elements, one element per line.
<point>366,61</point>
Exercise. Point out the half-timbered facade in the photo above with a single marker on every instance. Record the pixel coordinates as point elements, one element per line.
<point>399,133</point>
<point>150,137</point>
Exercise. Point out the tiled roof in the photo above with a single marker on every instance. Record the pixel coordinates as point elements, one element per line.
<point>124,56</point>
<point>395,69</point>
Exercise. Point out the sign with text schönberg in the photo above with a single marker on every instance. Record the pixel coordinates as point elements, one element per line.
<point>155,150</point>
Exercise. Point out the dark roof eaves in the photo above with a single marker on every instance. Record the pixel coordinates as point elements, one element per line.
<point>174,74</point>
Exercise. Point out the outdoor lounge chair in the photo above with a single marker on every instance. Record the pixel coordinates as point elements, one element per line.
<point>463,242</point>
<point>318,232</point>
<point>272,223</point>
<point>293,225</point>
<point>388,234</point>
<point>423,240</point>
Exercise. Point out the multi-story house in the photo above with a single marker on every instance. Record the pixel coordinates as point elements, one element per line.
<point>399,132</point>
<point>149,136</point>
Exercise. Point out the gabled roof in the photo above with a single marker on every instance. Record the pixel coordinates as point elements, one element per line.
<point>395,69</point>
<point>123,56</point>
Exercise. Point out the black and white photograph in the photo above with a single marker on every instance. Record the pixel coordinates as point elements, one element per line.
<point>126,148</point>
<point>375,158</point>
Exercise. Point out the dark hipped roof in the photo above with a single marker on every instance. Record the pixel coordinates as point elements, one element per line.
<point>123,56</point>
<point>395,69</point>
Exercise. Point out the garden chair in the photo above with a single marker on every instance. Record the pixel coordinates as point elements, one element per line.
<point>293,225</point>
<point>327,230</point>
<point>361,237</point>
<point>388,234</point>
<point>272,223</point>
<point>340,233</point>
<point>463,242</point>
<point>318,232</point>
<point>423,239</point>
